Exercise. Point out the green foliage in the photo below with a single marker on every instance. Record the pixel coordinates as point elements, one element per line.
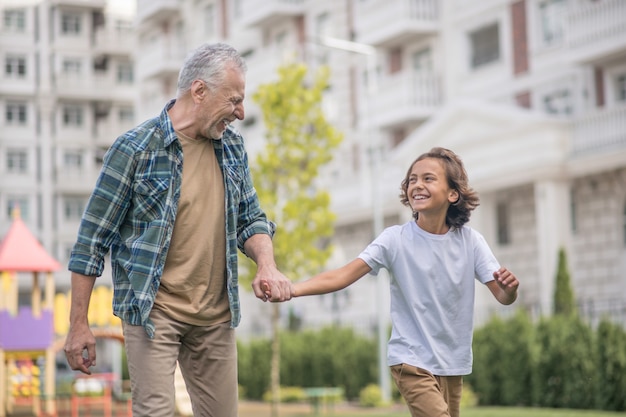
<point>566,370</point>
<point>502,361</point>
<point>564,303</point>
<point>287,395</point>
<point>299,141</point>
<point>371,396</point>
<point>468,396</point>
<point>331,357</point>
<point>611,349</point>
<point>254,367</point>
<point>558,362</point>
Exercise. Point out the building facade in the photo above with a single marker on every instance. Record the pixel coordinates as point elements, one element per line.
<point>530,93</point>
<point>66,90</point>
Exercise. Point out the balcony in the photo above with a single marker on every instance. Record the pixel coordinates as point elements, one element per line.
<point>161,58</point>
<point>114,39</point>
<point>109,130</point>
<point>596,32</point>
<point>91,4</point>
<point>404,98</point>
<point>77,181</point>
<point>600,132</point>
<point>387,24</point>
<point>263,13</point>
<point>92,87</point>
<point>155,10</point>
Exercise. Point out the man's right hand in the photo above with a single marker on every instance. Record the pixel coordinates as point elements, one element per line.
<point>79,340</point>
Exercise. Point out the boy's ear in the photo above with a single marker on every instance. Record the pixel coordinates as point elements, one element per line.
<point>454,197</point>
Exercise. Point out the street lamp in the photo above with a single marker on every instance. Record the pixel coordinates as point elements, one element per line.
<point>377,212</point>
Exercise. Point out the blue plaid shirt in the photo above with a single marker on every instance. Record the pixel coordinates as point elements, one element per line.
<point>133,207</point>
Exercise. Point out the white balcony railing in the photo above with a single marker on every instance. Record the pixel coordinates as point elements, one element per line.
<point>603,130</point>
<point>153,9</point>
<point>380,22</point>
<point>405,97</point>
<point>596,23</point>
<point>164,56</point>
<point>265,12</point>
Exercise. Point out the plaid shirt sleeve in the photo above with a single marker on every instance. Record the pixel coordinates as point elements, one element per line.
<point>105,211</point>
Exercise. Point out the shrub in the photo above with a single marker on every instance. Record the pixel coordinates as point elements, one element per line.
<point>566,370</point>
<point>287,395</point>
<point>468,397</point>
<point>503,361</point>
<point>611,350</point>
<point>371,396</point>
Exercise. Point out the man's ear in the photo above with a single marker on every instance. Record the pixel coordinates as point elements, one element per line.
<point>198,90</point>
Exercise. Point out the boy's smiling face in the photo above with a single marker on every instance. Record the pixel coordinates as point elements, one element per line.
<point>428,190</point>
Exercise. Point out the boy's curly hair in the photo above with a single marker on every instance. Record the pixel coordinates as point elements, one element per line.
<point>458,212</point>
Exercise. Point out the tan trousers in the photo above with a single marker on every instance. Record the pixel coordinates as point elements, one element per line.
<point>428,395</point>
<point>208,361</point>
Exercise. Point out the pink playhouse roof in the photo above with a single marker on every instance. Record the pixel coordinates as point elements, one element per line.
<point>20,251</point>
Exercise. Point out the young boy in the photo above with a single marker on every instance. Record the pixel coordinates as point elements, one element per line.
<point>433,261</point>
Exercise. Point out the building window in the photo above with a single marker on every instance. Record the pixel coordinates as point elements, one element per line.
<point>16,114</point>
<point>20,204</point>
<point>72,160</point>
<point>423,61</point>
<point>73,208</point>
<point>208,21</point>
<point>126,115</point>
<point>503,223</point>
<point>558,102</point>
<point>17,161</point>
<point>624,225</point>
<point>70,24</point>
<point>125,73</point>
<point>15,66</point>
<point>573,208</point>
<point>552,15</point>
<point>72,116</point>
<point>15,20</point>
<point>72,66</point>
<point>485,45</point>
<point>620,87</point>
<point>322,30</point>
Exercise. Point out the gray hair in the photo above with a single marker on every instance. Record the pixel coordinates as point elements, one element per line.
<point>208,63</point>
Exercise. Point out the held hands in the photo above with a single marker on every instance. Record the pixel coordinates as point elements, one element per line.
<point>271,285</point>
<point>508,283</point>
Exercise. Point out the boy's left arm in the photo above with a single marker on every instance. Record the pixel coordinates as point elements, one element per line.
<point>504,286</point>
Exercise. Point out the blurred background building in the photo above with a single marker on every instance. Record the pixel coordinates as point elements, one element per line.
<point>531,94</point>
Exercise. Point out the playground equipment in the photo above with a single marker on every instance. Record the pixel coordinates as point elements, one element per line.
<point>26,334</point>
<point>31,336</point>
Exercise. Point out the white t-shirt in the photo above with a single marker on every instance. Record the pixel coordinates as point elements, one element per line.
<point>432,294</point>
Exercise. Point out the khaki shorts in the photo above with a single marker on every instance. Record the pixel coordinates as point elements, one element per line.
<point>428,395</point>
<point>208,361</point>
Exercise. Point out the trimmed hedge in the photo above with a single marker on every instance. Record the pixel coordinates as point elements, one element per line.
<point>559,362</point>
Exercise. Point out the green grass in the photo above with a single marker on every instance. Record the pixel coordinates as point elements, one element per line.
<point>534,412</point>
<point>262,410</point>
<point>486,412</point>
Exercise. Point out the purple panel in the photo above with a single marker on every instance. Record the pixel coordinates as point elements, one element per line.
<point>24,331</point>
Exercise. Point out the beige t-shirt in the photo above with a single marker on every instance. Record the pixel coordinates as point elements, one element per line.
<point>193,285</point>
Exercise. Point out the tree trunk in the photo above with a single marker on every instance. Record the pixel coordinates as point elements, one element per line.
<point>275,365</point>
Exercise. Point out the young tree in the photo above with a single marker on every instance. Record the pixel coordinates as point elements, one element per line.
<point>299,141</point>
<point>564,303</point>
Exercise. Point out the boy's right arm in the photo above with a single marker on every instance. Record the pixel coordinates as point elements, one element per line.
<point>331,281</point>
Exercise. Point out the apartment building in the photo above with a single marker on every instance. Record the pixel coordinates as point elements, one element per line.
<point>531,93</point>
<point>66,91</point>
